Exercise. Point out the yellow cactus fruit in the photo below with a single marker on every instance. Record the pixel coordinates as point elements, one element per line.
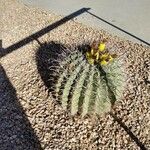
<point>101,47</point>
<point>104,56</point>
<point>92,51</point>
<point>89,58</point>
<point>110,58</point>
<point>97,55</point>
<point>104,62</point>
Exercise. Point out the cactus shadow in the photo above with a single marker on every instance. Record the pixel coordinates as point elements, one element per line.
<point>44,53</point>
<point>47,52</point>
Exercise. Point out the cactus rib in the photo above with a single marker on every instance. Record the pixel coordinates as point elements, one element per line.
<point>65,73</point>
<point>88,93</point>
<point>69,83</point>
<point>77,90</point>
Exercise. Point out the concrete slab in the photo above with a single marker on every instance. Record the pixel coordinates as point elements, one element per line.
<point>127,19</point>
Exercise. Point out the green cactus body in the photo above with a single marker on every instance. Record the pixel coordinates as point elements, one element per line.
<point>77,90</point>
<point>75,59</point>
<point>69,83</point>
<point>102,102</point>
<point>93,88</point>
<point>88,93</point>
<point>115,77</point>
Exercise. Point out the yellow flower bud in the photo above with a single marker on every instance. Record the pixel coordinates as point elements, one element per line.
<point>110,58</point>
<point>92,51</point>
<point>104,56</point>
<point>103,62</point>
<point>97,55</point>
<point>101,47</point>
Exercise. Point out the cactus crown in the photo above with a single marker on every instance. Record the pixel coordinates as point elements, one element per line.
<point>87,82</point>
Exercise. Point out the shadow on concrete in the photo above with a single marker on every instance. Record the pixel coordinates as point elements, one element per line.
<point>40,33</point>
<point>129,132</point>
<point>16,132</point>
<point>118,28</point>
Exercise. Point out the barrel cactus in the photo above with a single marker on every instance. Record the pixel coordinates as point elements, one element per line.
<point>87,81</point>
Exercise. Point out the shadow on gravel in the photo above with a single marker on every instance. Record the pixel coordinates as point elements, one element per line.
<point>16,132</point>
<point>51,50</point>
<point>128,131</point>
<point>45,52</point>
<point>41,32</point>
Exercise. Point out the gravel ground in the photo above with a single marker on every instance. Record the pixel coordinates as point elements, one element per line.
<point>29,119</point>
